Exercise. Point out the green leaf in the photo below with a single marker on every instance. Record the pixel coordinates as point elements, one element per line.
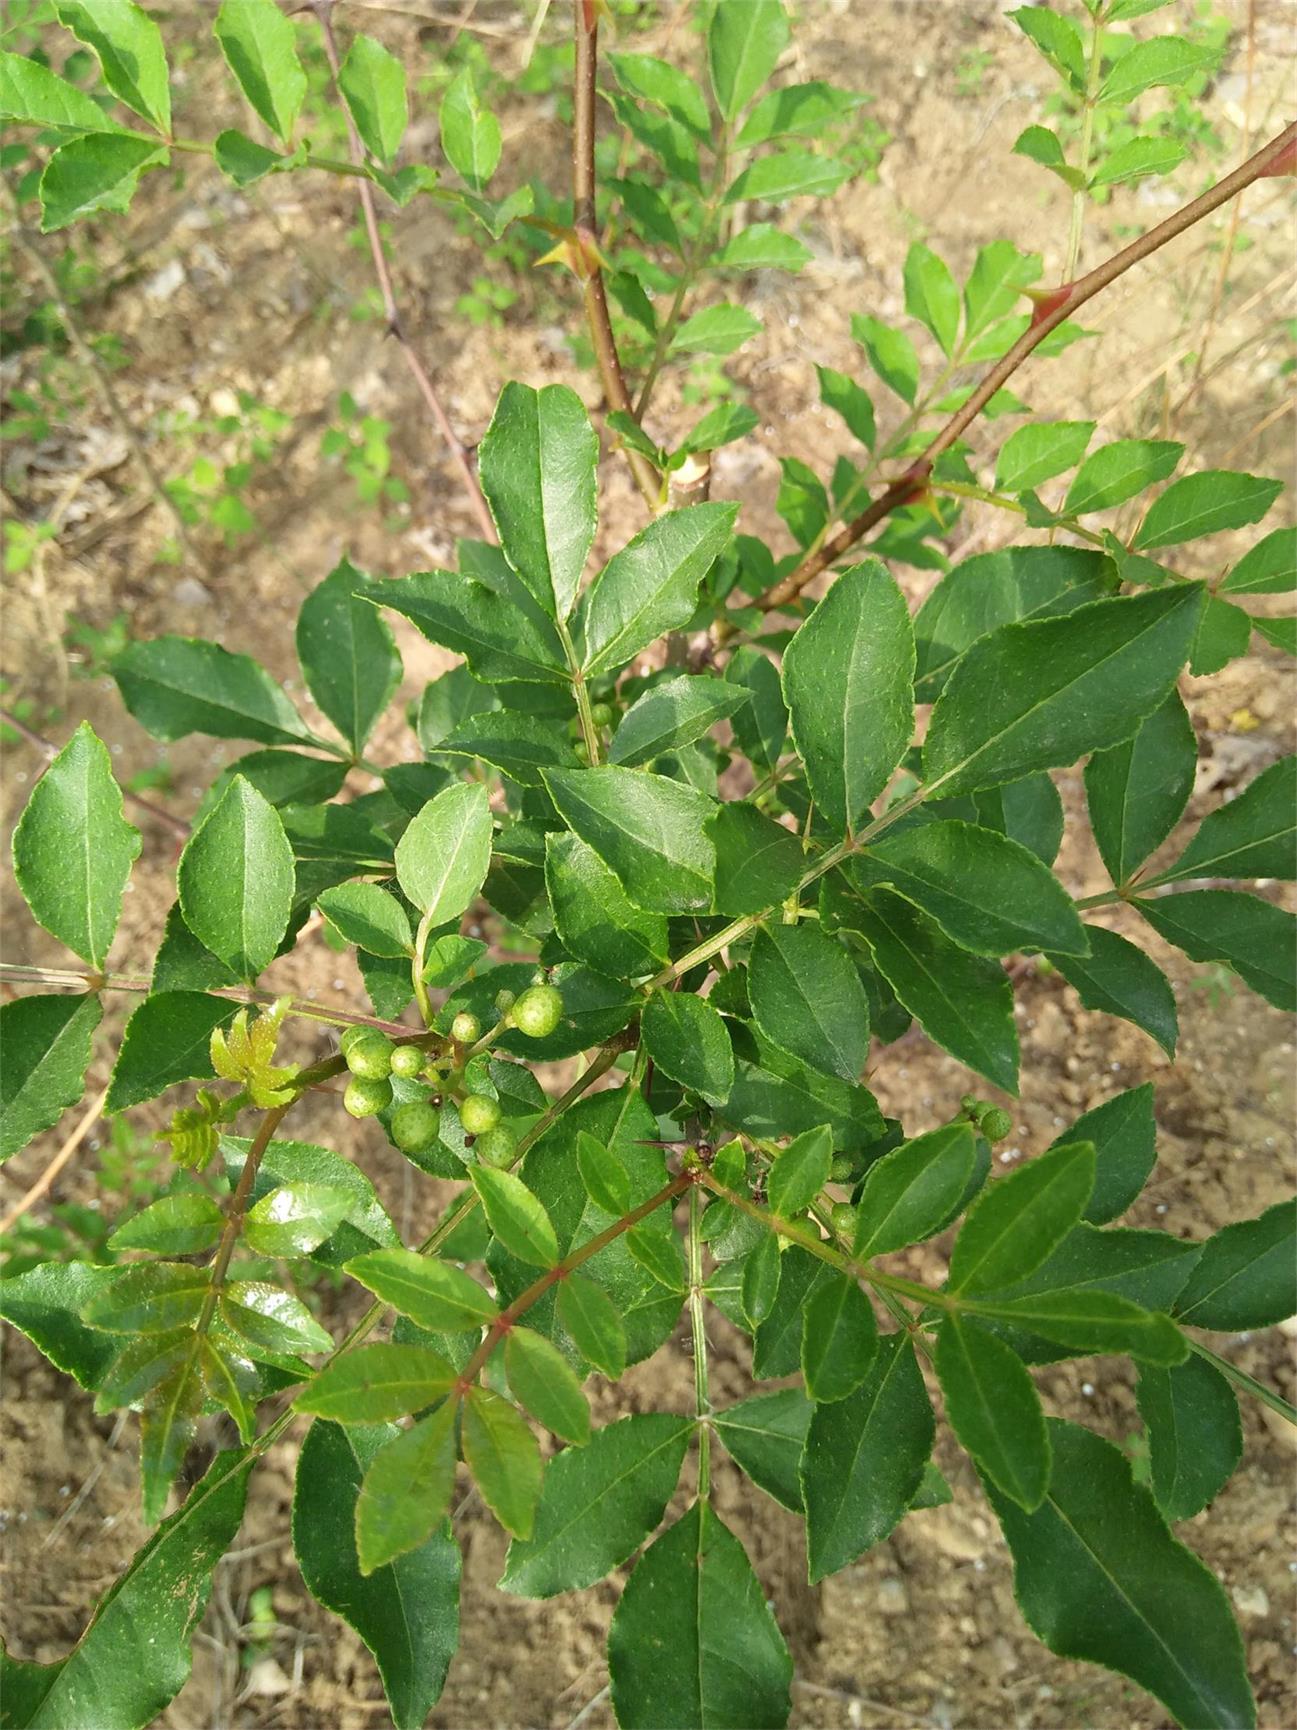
<point>372,82</point>
<point>1195,1435</point>
<point>994,1409</point>
<point>657,81</point>
<point>130,50</point>
<point>181,1224</point>
<point>502,1455</point>
<point>257,40</point>
<point>1098,1576</point>
<point>519,745</point>
<point>150,1297</point>
<point>99,171</point>
<point>914,1190</point>
<point>715,330</point>
<point>593,916</point>
<point>765,1436</point>
<point>987,893</point>
<point>542,1382</point>
<point>687,1040</point>
<point>164,1589</point>
<point>372,1384</point>
<point>1137,791</point>
<point>864,1459</point>
<point>515,1216</point>
<point>236,879</point>
<point>1038,452</point>
<point>1255,835</point>
<point>179,685</point>
<point>650,832</point>
<point>931,295</point>
<point>788,174</point>
<point>470,133</point>
<point>672,714</point>
<point>650,586</point>
<point>141,1365</point>
<point>1120,979</point>
<point>1270,568</point>
<point>777,1341</point>
<point>1124,1137</point>
<point>849,400</point>
<point>1252,936</point>
<point>347,653</point>
<point>763,246</point>
<point>800,1172</point>
<point>1205,504</point>
<point>295,1218</point>
<point>30,93</point>
<point>1038,695</point>
<point>370,917</point>
<point>723,425</point>
<point>963,1002</point>
<point>1147,1267</point>
<point>807,998</point>
<point>1117,471</point>
<point>848,679</point>
<point>501,642</point>
<point>806,109</point>
<point>891,354</point>
<point>598,1504</point>
<point>759,1287</point>
<point>406,1492</point>
<point>443,856</point>
<point>1088,1320</point>
<point>407,1612</point>
<point>47,1045</point>
<point>167,1039</point>
<point>168,1427</point>
<point>1159,60</point>
<point>1137,158</point>
<point>591,1319</point>
<point>1245,1275</point>
<point>758,862</point>
<point>46,1302</point>
<point>692,1640</point>
<point>244,161</point>
<point>839,1339</point>
<point>1057,38</point>
<point>1281,632</point>
<point>999,275</point>
<point>1015,1222</point>
<point>538,463</point>
<point>432,1293</point>
<point>272,1319</point>
<point>744,41</point>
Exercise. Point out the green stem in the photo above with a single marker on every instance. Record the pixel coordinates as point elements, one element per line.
<point>1001,501</point>
<point>702,1396</point>
<point>581,691</point>
<point>329,164</point>
<point>1249,1384</point>
<point>418,962</point>
<point>1087,139</point>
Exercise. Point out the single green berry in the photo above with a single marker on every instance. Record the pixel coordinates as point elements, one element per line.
<point>841,1169</point>
<point>354,1034</point>
<point>371,1059</point>
<point>465,1028</point>
<point>478,1114</point>
<point>497,1147</point>
<point>843,1216</point>
<point>538,1011</point>
<point>996,1124</point>
<point>367,1095</point>
<point>407,1061</point>
<point>601,715</point>
<point>574,727</point>
<point>414,1126</point>
<point>503,1002</point>
<point>581,751</point>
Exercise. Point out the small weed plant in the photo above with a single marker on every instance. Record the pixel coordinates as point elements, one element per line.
<point>717,971</point>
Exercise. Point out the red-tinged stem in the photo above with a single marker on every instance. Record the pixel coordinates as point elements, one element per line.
<point>1049,314</point>
<point>391,312</point>
<point>586,30</point>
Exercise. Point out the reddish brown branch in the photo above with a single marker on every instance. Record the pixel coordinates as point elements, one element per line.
<point>1051,313</point>
<point>391,312</point>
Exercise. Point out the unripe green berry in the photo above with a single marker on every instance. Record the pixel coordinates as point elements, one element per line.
<point>538,1011</point>
<point>841,1168</point>
<point>478,1114</point>
<point>407,1061</point>
<point>996,1124</point>
<point>353,1035</point>
<point>465,1028</point>
<point>601,715</point>
<point>843,1216</point>
<point>371,1059</point>
<point>497,1147</point>
<point>414,1126</point>
<point>367,1096</point>
<point>581,751</point>
<point>504,1002</point>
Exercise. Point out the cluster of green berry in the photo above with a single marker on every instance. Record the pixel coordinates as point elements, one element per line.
<point>602,715</point>
<point>992,1120</point>
<point>415,1126</point>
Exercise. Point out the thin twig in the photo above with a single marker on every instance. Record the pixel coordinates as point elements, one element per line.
<point>1061,305</point>
<point>586,27</point>
<point>45,1181</point>
<point>391,312</point>
<point>177,826</point>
